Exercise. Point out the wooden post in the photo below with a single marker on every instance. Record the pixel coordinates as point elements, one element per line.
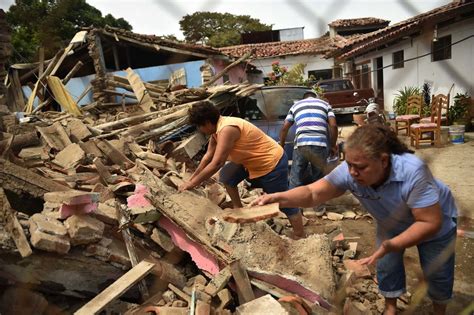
<point>244,288</point>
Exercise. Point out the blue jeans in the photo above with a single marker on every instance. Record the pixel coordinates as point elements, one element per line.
<point>232,174</point>
<point>437,262</point>
<point>309,163</point>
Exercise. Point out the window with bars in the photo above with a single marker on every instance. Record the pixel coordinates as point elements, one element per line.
<point>441,48</point>
<point>398,59</point>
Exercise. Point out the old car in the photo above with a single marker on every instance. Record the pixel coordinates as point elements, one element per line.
<point>343,97</point>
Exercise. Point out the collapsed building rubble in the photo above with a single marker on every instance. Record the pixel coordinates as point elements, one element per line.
<point>90,210</point>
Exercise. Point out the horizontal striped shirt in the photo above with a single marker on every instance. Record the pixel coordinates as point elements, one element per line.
<point>311,117</point>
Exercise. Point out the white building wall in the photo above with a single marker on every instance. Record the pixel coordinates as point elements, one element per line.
<point>459,70</point>
<point>288,34</point>
<point>313,62</point>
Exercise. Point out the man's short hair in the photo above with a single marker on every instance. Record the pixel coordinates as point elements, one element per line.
<point>309,94</point>
<point>203,112</point>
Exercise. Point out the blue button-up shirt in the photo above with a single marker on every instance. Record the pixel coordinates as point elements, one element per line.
<point>409,185</point>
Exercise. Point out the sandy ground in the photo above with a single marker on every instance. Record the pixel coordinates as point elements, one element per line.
<point>454,165</point>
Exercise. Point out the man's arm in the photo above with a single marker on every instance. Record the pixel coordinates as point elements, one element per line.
<point>284,132</point>
<point>427,223</point>
<point>303,196</point>
<point>227,138</point>
<point>333,134</point>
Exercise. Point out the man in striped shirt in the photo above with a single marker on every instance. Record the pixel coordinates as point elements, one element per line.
<point>315,138</point>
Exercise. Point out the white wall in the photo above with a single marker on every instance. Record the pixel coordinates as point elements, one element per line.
<point>458,70</point>
<point>313,62</point>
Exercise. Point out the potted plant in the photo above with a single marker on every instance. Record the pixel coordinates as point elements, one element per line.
<point>458,113</point>
<point>401,99</point>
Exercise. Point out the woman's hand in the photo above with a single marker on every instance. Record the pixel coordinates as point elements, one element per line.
<point>379,253</point>
<point>264,199</point>
<point>185,186</point>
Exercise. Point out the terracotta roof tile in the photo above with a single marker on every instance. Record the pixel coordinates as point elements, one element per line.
<point>158,40</point>
<point>370,40</point>
<point>321,45</point>
<point>367,21</point>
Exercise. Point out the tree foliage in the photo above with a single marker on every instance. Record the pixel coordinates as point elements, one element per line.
<point>52,24</point>
<point>218,29</point>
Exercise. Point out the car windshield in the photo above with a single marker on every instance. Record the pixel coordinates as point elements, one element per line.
<point>335,86</point>
<point>270,104</point>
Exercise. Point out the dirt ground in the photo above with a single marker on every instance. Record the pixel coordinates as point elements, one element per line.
<point>454,165</point>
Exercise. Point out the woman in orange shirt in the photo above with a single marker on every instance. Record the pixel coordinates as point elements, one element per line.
<point>251,154</point>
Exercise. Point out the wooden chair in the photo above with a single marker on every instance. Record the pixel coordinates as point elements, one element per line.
<point>432,129</point>
<point>412,114</point>
<point>444,99</point>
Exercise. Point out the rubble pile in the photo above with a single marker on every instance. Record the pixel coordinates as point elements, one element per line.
<point>87,197</point>
<point>89,209</point>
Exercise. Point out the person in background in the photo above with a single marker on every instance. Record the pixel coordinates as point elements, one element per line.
<point>251,154</point>
<point>410,206</point>
<point>315,139</point>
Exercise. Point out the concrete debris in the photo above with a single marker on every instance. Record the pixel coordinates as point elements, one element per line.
<point>99,186</point>
<point>264,305</point>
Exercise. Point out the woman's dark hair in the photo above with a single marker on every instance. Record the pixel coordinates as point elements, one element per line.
<point>374,140</point>
<point>202,112</point>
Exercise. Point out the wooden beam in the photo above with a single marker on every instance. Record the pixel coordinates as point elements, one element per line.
<point>156,47</point>
<point>116,57</point>
<point>244,288</point>
<point>116,289</point>
<point>224,71</point>
<point>41,61</point>
<point>73,71</point>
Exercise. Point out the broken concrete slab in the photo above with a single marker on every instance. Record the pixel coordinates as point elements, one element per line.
<point>263,305</point>
<point>304,266</point>
<point>84,229</point>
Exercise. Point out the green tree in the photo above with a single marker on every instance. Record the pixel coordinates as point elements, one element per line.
<point>52,24</point>
<point>218,29</point>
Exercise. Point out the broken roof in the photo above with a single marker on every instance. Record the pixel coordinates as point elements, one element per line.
<point>314,46</point>
<point>367,21</point>
<point>121,49</point>
<point>366,42</point>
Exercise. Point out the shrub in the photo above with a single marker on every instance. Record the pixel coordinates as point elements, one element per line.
<point>401,99</point>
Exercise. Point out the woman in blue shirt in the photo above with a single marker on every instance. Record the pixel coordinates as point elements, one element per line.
<point>409,205</point>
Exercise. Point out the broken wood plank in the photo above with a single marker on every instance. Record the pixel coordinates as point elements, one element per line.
<point>22,180</point>
<point>180,293</point>
<point>72,72</point>
<point>251,214</point>
<point>116,289</point>
<point>144,99</point>
<point>62,96</point>
<point>244,288</point>
<point>14,227</point>
<point>218,282</point>
<point>224,71</point>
